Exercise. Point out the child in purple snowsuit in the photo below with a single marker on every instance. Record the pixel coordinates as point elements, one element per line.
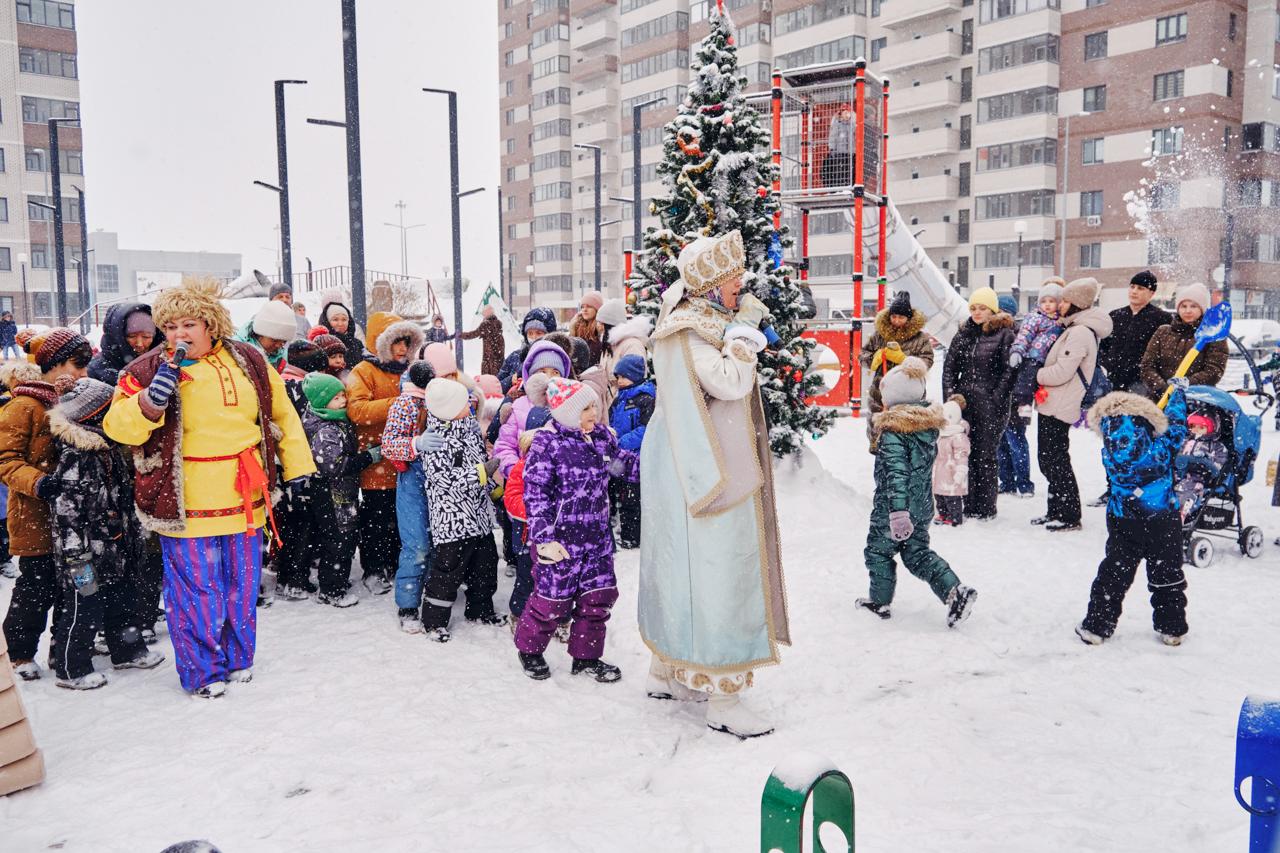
<point>1035,338</point>
<point>566,497</point>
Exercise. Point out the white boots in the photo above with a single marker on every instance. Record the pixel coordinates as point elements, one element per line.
<point>726,713</point>
<point>660,685</point>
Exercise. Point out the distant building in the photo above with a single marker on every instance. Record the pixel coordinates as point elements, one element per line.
<point>120,274</point>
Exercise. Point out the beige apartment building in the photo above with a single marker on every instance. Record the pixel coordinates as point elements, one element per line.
<point>983,96</point>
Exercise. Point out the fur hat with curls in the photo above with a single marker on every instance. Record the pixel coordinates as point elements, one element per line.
<point>198,298</point>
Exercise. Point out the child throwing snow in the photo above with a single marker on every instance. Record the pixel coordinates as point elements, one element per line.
<point>1139,445</point>
<point>461,514</point>
<point>95,532</point>
<point>906,432</point>
<point>629,416</point>
<point>1035,337</point>
<point>335,492</point>
<point>951,469</point>
<point>566,495</point>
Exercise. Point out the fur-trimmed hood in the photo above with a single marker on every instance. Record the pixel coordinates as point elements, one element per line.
<point>1122,403</point>
<point>15,372</point>
<point>887,331</point>
<point>1000,320</point>
<point>385,328</point>
<point>909,418</point>
<point>74,434</point>
<point>640,326</point>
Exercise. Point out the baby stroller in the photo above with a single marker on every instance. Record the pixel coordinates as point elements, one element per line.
<point>1213,507</point>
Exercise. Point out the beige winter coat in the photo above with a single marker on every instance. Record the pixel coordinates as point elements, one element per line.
<point>951,467</point>
<point>21,764</point>
<point>1073,355</point>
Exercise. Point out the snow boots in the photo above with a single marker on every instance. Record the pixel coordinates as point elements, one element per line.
<point>726,713</point>
<point>605,673</point>
<point>881,610</point>
<point>960,604</point>
<point>535,666</point>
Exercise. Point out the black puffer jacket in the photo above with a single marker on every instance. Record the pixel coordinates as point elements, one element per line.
<point>511,367</point>
<point>351,337</point>
<point>115,350</point>
<point>335,488</point>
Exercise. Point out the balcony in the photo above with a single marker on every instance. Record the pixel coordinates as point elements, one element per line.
<point>605,97</point>
<point>902,13</point>
<point>927,143</point>
<point>937,235</point>
<point>585,167</point>
<point>597,133</point>
<point>913,53</point>
<point>925,190</point>
<point>582,8</point>
<point>596,66</point>
<point>906,100</point>
<point>601,30</point>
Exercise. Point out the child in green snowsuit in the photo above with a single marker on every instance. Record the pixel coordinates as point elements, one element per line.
<point>902,509</point>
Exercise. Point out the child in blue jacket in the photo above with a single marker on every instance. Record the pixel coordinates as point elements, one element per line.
<point>1139,445</point>
<point>629,416</point>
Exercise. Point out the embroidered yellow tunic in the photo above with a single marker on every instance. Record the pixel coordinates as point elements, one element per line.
<point>220,419</point>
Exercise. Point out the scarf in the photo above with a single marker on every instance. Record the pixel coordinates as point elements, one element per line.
<point>329,414</point>
<point>393,367</point>
<point>42,391</point>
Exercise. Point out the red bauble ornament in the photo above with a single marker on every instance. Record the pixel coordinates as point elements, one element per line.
<point>763,192</point>
<point>729,41</point>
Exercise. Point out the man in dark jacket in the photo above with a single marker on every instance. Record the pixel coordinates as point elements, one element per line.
<point>9,336</point>
<point>490,334</point>
<point>536,324</point>
<point>127,333</point>
<point>1132,328</point>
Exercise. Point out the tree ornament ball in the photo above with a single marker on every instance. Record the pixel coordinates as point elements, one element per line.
<point>763,192</point>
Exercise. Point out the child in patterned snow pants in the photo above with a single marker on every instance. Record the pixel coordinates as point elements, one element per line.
<point>210,598</point>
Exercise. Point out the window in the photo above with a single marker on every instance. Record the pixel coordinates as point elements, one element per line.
<point>47,14</point>
<point>551,97</point>
<point>541,7</point>
<point>849,47</point>
<point>509,58</point>
<point>827,266</point>
<point>1042,48</point>
<point>966,84</point>
<point>509,88</point>
<point>511,146</point>
<point>1162,250</point>
<point>108,276</point>
<point>964,179</point>
<point>966,132</point>
<point>555,127</point>
<point>40,110</point>
<point>4,210</point>
<point>966,37</point>
<point>1167,86</point>
<point>655,64</point>
<point>632,5</point>
<point>1089,4</point>
<point>995,10</point>
<point>553,284</point>
<point>552,222</point>
<point>71,160</point>
<point>555,32</point>
<point>50,62</point>
<point>1009,205</point>
<point>648,172</point>
<point>553,190</point>
<point>673,94</point>
<point>648,136</point>
<point>552,160</point>
<point>1043,99</point>
<point>752,34</point>
<point>553,65</point>
<point>670,23</point>
<point>1166,141</point>
<point>1165,196</point>
<point>1090,256</point>
<point>70,209</point>
<point>554,252</point>
<point>1095,99</point>
<point>817,13</point>
<point>509,117</point>
<point>1093,151</point>
<point>1095,46</point>
<point>40,256</point>
<point>1250,192</point>
<point>1091,203</point>
<point>1172,28</point>
<point>1035,253</point>
<point>877,45</point>
<point>1011,155</point>
<point>1275,85</point>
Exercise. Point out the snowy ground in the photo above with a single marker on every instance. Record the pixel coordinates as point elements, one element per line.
<point>1005,735</point>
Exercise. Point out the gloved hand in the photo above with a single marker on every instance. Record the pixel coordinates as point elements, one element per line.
<point>751,311</point>
<point>47,488</point>
<point>1015,359</point>
<point>900,526</point>
<point>491,467</point>
<point>375,454</point>
<point>428,442</point>
<point>1180,383</point>
<point>616,467</point>
<point>163,384</point>
<point>754,340</point>
<point>551,552</point>
<point>890,352</point>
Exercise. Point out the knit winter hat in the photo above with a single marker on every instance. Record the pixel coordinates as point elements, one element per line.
<point>905,383</point>
<point>441,359</point>
<point>952,411</point>
<point>1197,293</point>
<point>87,398</point>
<point>546,354</point>
<point>305,355</point>
<point>1008,304</point>
<point>58,345</point>
<point>420,374</point>
<point>901,305</point>
<point>446,399</point>
<point>568,399</point>
<point>534,326</point>
<point>489,385</point>
<point>320,389</point>
<point>630,367</point>
<point>139,322</point>
<point>329,344</point>
<point>1082,292</point>
<point>316,331</point>
<point>536,389</point>
<point>985,296</point>
<point>277,289</point>
<point>1052,288</point>
<point>1146,279</point>
<point>592,299</point>
<point>612,313</point>
<point>1203,421</point>
<point>275,320</point>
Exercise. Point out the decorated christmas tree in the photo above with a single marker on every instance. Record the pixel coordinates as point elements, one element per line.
<point>719,176</point>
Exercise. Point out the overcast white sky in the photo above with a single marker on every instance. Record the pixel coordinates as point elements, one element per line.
<point>179,119</point>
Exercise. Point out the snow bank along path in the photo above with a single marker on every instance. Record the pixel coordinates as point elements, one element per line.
<point>1007,734</point>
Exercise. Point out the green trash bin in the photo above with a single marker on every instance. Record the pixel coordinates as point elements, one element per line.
<point>788,791</point>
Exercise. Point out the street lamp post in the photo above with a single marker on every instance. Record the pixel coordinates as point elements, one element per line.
<point>595,153</point>
<point>404,237</point>
<point>636,109</point>
<point>1020,228</point>
<point>59,244</point>
<point>455,211</point>
<point>282,169</point>
<point>26,302</point>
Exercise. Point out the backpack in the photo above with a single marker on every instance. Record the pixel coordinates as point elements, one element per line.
<point>1097,387</point>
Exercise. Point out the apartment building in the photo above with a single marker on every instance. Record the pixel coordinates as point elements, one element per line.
<point>984,96</point>
<point>39,80</point>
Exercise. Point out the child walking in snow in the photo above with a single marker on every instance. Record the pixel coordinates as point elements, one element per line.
<point>513,501</point>
<point>1035,337</point>
<point>951,468</point>
<point>95,531</point>
<point>461,514</point>
<point>566,495</point>
<point>1139,445</point>
<point>629,416</point>
<point>335,488</point>
<point>907,438</point>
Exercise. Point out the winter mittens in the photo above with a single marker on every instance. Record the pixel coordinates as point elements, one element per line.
<point>428,442</point>
<point>891,352</point>
<point>162,386</point>
<point>900,526</point>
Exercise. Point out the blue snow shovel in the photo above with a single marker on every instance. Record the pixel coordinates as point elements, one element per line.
<point>1214,326</point>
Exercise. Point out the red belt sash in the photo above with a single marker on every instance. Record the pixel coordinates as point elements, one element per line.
<point>249,476</point>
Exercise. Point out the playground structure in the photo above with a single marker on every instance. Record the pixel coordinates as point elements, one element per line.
<point>830,145</point>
